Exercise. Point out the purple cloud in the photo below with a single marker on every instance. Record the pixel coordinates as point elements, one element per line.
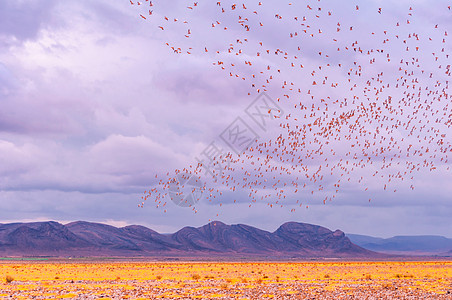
<point>93,104</point>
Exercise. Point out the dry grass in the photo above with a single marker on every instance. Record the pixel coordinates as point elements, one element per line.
<point>319,280</point>
<point>9,279</point>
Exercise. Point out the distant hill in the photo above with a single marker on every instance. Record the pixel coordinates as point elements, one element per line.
<point>82,239</point>
<point>418,245</point>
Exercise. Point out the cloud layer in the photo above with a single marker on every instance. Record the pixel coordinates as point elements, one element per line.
<point>93,104</point>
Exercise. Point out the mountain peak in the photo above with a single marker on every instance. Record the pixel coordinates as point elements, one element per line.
<point>338,233</point>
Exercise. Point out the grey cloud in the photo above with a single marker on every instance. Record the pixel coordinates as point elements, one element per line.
<point>100,115</point>
<point>24,19</point>
<point>8,82</point>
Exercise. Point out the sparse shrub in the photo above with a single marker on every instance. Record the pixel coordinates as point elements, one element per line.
<point>368,277</point>
<point>9,279</point>
<point>259,281</point>
<point>327,276</point>
<point>118,278</point>
<point>195,276</point>
<point>56,277</point>
<point>158,277</point>
<point>229,280</point>
<point>224,286</point>
<point>387,286</point>
<point>277,278</point>
<point>244,280</point>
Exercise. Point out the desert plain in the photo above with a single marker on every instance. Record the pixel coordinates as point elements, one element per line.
<point>225,280</point>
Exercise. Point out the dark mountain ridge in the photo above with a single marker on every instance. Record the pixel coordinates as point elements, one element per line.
<point>213,239</point>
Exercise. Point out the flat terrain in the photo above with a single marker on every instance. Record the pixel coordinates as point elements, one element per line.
<point>212,280</point>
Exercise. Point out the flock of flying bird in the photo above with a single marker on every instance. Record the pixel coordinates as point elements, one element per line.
<point>367,96</point>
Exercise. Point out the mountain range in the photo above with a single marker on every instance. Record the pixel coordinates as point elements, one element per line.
<point>405,245</point>
<point>215,239</point>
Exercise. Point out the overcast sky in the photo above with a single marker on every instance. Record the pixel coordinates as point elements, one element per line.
<point>94,104</point>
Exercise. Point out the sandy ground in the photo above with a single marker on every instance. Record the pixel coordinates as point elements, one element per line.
<point>209,280</point>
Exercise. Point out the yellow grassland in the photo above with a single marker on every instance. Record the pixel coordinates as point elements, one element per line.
<point>215,280</point>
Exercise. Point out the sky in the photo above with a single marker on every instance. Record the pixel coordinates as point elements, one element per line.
<point>94,104</point>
